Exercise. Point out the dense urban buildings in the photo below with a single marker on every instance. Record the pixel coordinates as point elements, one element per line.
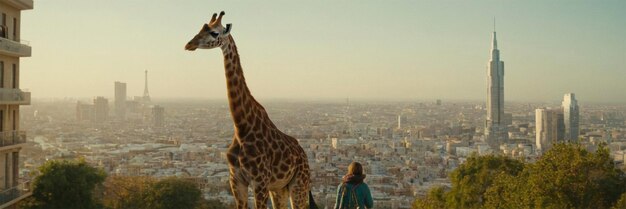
<point>495,128</point>
<point>401,163</point>
<point>571,117</point>
<point>12,140</point>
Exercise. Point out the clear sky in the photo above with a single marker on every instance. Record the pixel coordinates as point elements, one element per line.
<point>330,49</point>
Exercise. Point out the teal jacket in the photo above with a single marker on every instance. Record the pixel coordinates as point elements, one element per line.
<point>363,195</point>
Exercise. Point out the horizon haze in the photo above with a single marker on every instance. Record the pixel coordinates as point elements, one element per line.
<point>333,50</point>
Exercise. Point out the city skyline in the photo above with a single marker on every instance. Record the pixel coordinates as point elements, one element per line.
<point>328,51</point>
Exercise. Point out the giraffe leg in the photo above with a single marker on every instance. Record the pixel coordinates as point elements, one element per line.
<point>279,198</point>
<point>299,188</point>
<point>239,187</point>
<point>261,195</point>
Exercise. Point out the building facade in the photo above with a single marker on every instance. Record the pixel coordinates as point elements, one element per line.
<point>571,117</point>
<point>120,100</point>
<point>158,115</point>
<point>101,109</point>
<point>84,112</point>
<point>496,131</point>
<point>12,48</point>
<point>550,128</point>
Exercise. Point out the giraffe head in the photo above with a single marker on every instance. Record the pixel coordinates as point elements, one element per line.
<point>211,35</point>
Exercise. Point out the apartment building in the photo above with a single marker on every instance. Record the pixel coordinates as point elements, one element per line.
<point>12,48</point>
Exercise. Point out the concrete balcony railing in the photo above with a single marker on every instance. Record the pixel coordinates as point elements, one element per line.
<point>9,138</point>
<point>14,96</point>
<point>20,4</point>
<point>13,195</point>
<point>13,48</point>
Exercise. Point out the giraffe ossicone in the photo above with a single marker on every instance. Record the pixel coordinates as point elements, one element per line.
<point>260,156</point>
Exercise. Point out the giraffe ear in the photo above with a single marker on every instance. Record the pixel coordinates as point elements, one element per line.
<point>227,30</point>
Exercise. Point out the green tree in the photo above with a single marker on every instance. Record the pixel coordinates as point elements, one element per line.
<point>435,199</point>
<point>126,192</point>
<point>65,185</point>
<point>568,176</point>
<point>508,191</point>
<point>621,203</point>
<point>472,179</point>
<point>173,193</point>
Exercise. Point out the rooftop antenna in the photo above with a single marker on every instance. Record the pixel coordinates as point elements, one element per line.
<point>494,24</point>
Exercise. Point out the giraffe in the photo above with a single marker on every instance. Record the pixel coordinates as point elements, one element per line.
<point>260,156</point>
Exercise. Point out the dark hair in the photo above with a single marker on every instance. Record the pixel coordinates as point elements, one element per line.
<point>355,169</point>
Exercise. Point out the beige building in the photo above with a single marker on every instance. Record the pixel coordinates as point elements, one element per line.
<point>550,128</point>
<point>12,48</point>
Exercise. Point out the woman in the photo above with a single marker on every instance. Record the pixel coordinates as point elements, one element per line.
<point>353,191</point>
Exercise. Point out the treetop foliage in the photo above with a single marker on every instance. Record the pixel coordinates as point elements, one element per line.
<point>567,176</point>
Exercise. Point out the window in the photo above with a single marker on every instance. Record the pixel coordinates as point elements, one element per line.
<point>1,74</point>
<point>15,121</point>
<point>14,76</point>
<point>3,29</point>
<point>6,171</point>
<point>16,168</point>
<point>15,30</point>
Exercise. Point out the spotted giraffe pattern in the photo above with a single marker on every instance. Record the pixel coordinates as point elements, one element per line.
<point>260,156</point>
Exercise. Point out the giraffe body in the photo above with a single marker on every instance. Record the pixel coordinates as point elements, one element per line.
<point>260,156</point>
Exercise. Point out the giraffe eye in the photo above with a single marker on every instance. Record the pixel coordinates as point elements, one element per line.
<point>214,34</point>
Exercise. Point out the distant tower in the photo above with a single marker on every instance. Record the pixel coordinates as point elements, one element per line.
<point>495,127</point>
<point>101,109</point>
<point>158,115</point>
<point>348,118</point>
<point>146,95</point>
<point>85,112</point>
<point>571,117</point>
<point>400,121</point>
<point>120,100</point>
<point>549,128</point>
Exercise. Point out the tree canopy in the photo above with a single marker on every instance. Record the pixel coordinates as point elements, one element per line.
<point>141,192</point>
<point>173,193</point>
<point>121,192</point>
<point>567,176</point>
<point>65,185</point>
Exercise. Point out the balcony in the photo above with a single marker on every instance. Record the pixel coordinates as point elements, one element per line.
<point>20,4</point>
<point>13,195</point>
<point>14,97</point>
<point>13,48</point>
<point>9,138</point>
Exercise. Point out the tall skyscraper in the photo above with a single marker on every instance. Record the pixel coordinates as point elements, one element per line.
<point>12,140</point>
<point>146,94</point>
<point>571,117</point>
<point>495,127</point>
<point>549,128</point>
<point>120,100</point>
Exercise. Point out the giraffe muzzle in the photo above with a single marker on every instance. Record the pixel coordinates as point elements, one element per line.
<point>190,47</point>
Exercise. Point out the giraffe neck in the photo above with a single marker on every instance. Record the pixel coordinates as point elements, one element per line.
<point>247,113</point>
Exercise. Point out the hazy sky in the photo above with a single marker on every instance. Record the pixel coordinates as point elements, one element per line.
<point>330,49</point>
